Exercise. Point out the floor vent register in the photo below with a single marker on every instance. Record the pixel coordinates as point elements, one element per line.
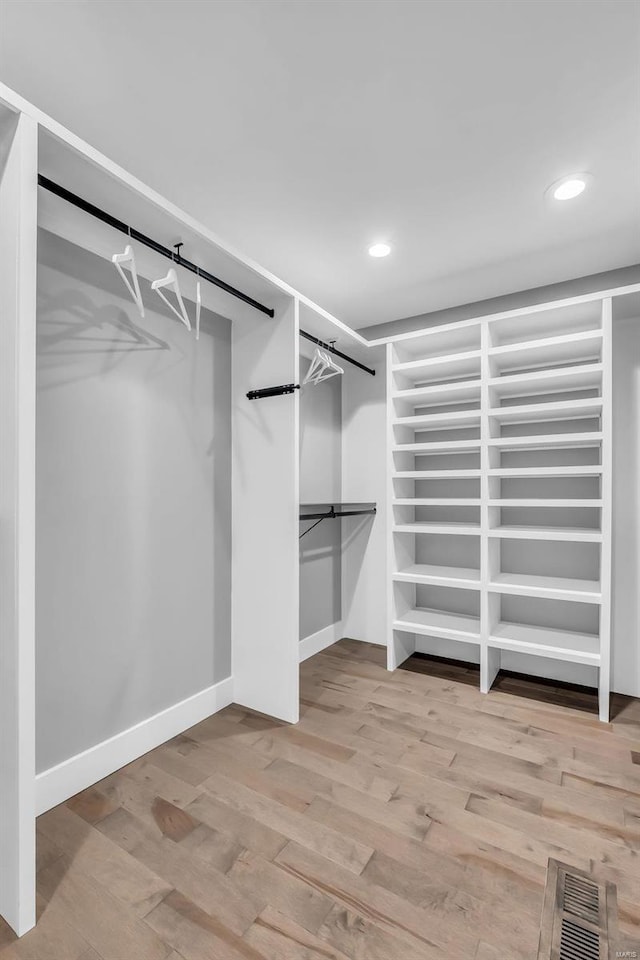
<point>579,916</point>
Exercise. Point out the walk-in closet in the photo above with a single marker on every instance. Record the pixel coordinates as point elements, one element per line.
<point>319,562</point>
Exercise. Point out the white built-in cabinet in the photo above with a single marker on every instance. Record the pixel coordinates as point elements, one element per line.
<point>499,460</point>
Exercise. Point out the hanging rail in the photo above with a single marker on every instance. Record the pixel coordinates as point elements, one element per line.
<point>338,353</point>
<point>99,214</point>
<point>290,387</point>
<point>273,391</point>
<point>334,513</point>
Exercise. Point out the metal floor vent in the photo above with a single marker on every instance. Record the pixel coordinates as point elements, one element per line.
<point>579,918</point>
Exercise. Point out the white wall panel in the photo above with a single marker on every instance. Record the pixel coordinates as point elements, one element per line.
<point>364,479</point>
<point>265,574</point>
<point>18,221</point>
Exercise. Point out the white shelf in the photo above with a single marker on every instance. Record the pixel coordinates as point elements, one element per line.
<point>543,412</point>
<point>531,323</point>
<point>442,393</point>
<point>585,345</point>
<point>437,502</point>
<point>568,534</point>
<point>586,376</point>
<point>546,642</point>
<point>436,623</point>
<point>445,528</point>
<point>546,502</point>
<point>438,446</point>
<point>552,588</point>
<point>465,577</point>
<point>436,474</point>
<point>587,439</point>
<point>454,420</point>
<point>450,366</point>
<point>573,470</point>
<point>539,370</point>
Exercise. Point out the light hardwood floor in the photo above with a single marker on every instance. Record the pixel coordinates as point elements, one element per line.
<point>406,817</point>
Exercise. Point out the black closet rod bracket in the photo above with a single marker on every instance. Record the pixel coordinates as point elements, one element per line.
<point>338,353</point>
<point>272,391</point>
<point>134,234</point>
<point>333,514</point>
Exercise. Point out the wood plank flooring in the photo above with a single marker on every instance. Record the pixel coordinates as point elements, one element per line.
<point>407,817</point>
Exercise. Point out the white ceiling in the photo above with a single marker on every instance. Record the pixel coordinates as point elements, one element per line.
<point>302,131</point>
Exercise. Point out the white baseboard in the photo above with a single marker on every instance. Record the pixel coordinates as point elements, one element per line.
<point>316,642</point>
<point>375,643</point>
<point>57,784</point>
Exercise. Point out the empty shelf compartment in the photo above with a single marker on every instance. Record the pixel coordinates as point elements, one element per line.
<point>438,575</point>
<point>551,322</point>
<point>547,441</point>
<point>452,420</point>
<point>440,341</point>
<point>443,393</point>
<point>590,407</point>
<point>547,627</point>
<point>432,370</point>
<point>436,623</point>
<point>553,588</point>
<point>569,349</point>
<point>547,642</point>
<point>586,376</point>
<point>450,529</point>
<point>575,534</point>
<point>547,516</point>
<point>438,446</point>
<point>566,570</point>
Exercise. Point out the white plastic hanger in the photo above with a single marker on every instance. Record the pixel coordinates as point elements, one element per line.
<point>128,259</point>
<point>171,281</point>
<point>322,368</point>
<point>317,364</point>
<point>330,369</point>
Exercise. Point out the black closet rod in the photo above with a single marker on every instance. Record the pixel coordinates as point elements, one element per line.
<point>338,353</point>
<point>99,214</point>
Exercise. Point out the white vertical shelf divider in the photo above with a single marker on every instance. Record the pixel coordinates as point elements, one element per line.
<point>402,645</point>
<point>18,265</point>
<point>518,405</point>
<point>607,509</point>
<point>489,656</point>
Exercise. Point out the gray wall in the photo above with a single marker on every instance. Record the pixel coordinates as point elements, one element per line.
<point>320,482</point>
<point>511,301</point>
<point>133,504</point>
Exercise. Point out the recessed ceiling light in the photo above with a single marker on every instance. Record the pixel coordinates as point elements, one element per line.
<point>379,250</point>
<point>569,187</point>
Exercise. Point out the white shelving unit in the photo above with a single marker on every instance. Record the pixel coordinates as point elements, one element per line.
<point>499,453</point>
